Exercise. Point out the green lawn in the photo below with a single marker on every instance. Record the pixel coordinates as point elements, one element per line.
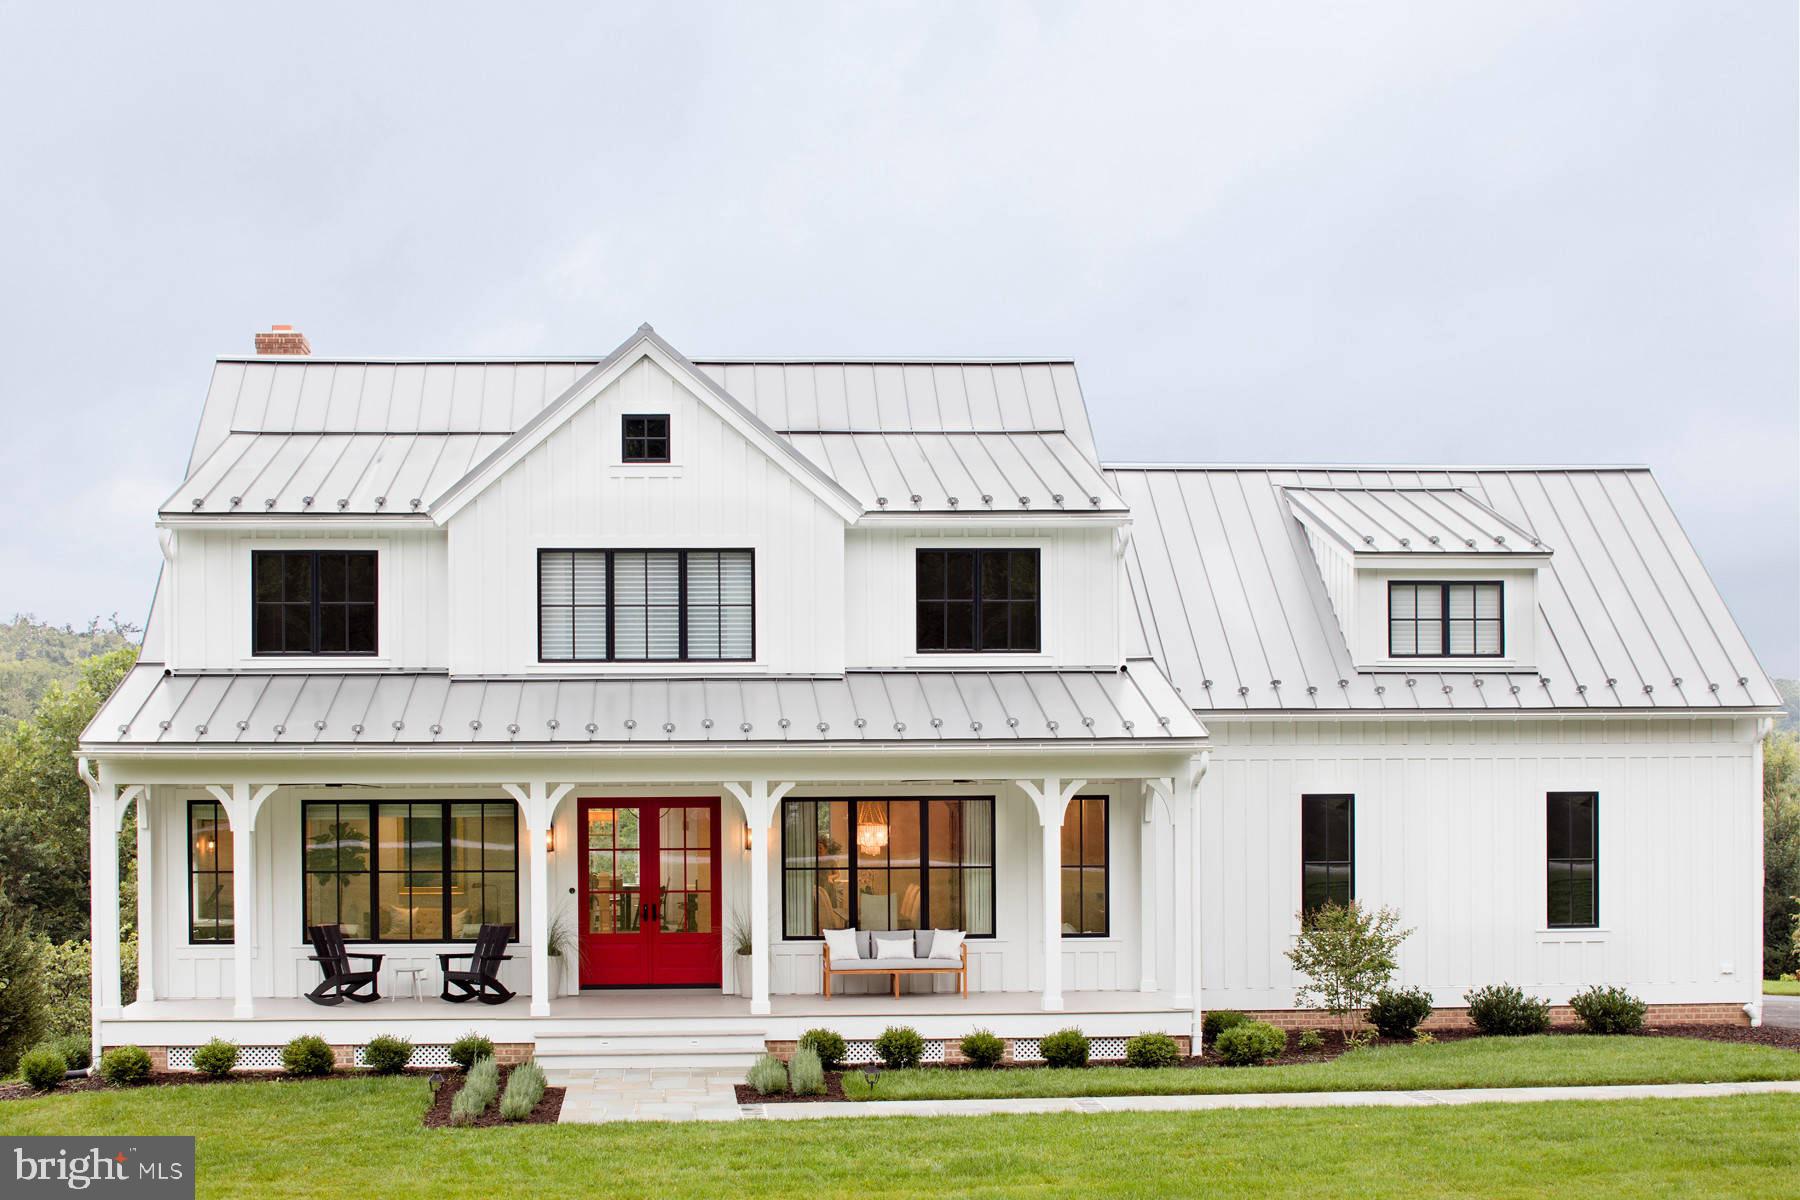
<point>1781,987</point>
<point>1477,1062</point>
<point>362,1137</point>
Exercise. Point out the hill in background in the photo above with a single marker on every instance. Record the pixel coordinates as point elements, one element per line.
<point>35,654</point>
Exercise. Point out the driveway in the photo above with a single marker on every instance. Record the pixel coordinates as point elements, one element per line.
<point>1782,1011</point>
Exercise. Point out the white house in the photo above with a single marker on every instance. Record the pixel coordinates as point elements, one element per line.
<point>651,651</point>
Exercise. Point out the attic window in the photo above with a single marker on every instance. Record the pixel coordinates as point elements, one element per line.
<point>1445,620</point>
<point>646,438</point>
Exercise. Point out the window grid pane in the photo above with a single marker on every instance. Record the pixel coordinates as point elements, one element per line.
<point>1438,620</point>
<point>1084,866</point>
<point>646,605</point>
<point>403,871</point>
<point>977,600</point>
<point>887,864</point>
<point>313,602</point>
<point>1572,867</point>
<point>1327,851</point>
<point>210,894</point>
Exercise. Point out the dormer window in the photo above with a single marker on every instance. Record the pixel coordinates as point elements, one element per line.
<point>646,438</point>
<point>315,602</point>
<point>1445,620</point>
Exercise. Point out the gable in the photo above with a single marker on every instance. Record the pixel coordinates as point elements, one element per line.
<point>690,385</point>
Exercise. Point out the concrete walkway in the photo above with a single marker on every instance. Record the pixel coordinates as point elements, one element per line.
<point>1783,1012</point>
<point>655,1095</point>
<point>704,1096</point>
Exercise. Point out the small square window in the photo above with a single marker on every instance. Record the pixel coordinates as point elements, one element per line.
<point>646,439</point>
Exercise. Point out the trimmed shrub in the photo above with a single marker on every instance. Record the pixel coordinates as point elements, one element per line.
<point>899,1046</point>
<point>387,1054</point>
<point>1064,1048</point>
<point>123,1066</point>
<point>827,1045</point>
<point>524,1088</point>
<point>481,1083</point>
<point>1310,1041</point>
<point>216,1059</point>
<point>1608,1010</point>
<point>983,1049</point>
<point>76,1048</point>
<point>1152,1050</point>
<point>1215,1023</point>
<point>767,1075</point>
<point>1251,1044</point>
<point>43,1068</point>
<point>1396,1012</point>
<point>308,1054</point>
<point>1424,1038</point>
<point>806,1076</point>
<point>1502,1010</point>
<point>469,1047</point>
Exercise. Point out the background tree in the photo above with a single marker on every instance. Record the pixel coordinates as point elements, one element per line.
<point>1781,852</point>
<point>1347,953</point>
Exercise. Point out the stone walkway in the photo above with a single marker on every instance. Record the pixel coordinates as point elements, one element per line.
<point>703,1096</point>
<point>657,1095</point>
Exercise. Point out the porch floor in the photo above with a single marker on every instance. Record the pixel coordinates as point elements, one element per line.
<point>658,1005</point>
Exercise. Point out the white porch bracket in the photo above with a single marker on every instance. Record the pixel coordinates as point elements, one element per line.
<point>759,799</point>
<point>1051,796</point>
<point>537,802</point>
<point>242,802</point>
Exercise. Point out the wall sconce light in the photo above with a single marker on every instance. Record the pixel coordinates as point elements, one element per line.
<point>746,838</point>
<point>550,839</point>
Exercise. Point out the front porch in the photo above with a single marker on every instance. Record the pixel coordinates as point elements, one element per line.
<point>1130,967</point>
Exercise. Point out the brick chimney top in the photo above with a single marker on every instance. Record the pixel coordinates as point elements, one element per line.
<point>282,339</point>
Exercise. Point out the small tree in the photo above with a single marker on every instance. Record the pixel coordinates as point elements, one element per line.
<point>1347,954</point>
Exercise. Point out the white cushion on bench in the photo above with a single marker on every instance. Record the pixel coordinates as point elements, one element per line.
<point>871,966</point>
<point>842,943</point>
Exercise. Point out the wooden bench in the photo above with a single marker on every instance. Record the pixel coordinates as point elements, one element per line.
<point>897,967</point>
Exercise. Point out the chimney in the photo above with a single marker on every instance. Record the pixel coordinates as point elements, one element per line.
<point>282,339</point>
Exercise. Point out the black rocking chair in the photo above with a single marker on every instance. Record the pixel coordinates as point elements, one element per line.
<point>341,983</point>
<point>481,981</point>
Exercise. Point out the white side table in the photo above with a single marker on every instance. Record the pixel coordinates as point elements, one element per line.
<point>413,976</point>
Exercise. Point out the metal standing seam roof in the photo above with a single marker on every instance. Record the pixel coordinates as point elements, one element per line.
<point>284,429</point>
<point>268,709</point>
<point>1231,603</point>
<point>1410,521</point>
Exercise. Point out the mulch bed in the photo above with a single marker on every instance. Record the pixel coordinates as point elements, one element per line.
<point>1767,1035</point>
<point>547,1112</point>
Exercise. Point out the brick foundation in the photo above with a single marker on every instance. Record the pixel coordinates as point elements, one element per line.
<point>1560,1015</point>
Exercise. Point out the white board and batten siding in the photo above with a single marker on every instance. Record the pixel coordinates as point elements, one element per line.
<point>208,618</point>
<point>1450,831</point>
<point>719,492</point>
<point>1078,580</point>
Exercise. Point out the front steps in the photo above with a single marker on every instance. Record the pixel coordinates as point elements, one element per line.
<point>567,1056</point>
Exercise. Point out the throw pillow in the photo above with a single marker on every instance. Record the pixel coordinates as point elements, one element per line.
<point>843,945</point>
<point>947,944</point>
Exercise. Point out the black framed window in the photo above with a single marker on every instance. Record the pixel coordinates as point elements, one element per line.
<point>313,602</point>
<point>646,438</point>
<point>1572,848</point>
<point>646,605</point>
<point>210,898</point>
<point>1445,620</point>
<point>406,871</point>
<point>1085,868</point>
<point>1327,851</point>
<point>977,600</point>
<point>887,864</point>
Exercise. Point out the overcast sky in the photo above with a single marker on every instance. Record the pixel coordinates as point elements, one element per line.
<point>1434,232</point>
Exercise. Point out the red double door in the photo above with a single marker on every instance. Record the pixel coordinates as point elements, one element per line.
<point>650,893</point>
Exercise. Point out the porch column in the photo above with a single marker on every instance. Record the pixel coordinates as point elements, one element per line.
<point>103,896</point>
<point>241,802</point>
<point>1148,891</point>
<point>1197,934</point>
<point>146,895</point>
<point>1050,796</point>
<point>1183,793</point>
<point>537,802</point>
<point>759,800</point>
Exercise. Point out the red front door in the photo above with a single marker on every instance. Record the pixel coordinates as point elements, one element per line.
<point>649,893</point>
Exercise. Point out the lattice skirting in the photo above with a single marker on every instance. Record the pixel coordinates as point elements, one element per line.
<point>860,1051</point>
<point>268,1058</point>
<point>1100,1049</point>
